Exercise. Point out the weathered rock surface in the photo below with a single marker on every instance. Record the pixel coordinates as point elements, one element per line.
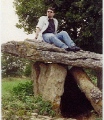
<point>44,52</point>
<point>35,116</point>
<point>93,94</point>
<point>49,81</point>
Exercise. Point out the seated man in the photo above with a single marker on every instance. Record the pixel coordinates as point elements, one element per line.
<point>46,30</point>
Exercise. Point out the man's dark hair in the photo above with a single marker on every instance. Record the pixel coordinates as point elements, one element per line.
<point>51,8</point>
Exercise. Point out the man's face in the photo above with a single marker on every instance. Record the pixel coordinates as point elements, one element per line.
<point>50,13</point>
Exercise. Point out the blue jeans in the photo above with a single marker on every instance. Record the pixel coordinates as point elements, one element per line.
<point>61,39</point>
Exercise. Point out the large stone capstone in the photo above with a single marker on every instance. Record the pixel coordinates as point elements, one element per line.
<point>45,52</point>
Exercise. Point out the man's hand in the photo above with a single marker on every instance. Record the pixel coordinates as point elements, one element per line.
<point>35,38</point>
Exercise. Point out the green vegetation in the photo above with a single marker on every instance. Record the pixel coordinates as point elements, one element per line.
<point>15,66</point>
<point>92,75</point>
<point>18,100</point>
<point>9,83</point>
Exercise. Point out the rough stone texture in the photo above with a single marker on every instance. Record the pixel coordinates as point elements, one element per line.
<point>39,77</point>
<point>49,81</point>
<point>35,116</point>
<point>93,94</point>
<point>44,52</point>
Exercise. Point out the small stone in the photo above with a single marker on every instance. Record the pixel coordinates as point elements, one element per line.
<point>32,118</point>
<point>46,117</point>
<point>71,119</point>
<point>40,116</point>
<point>36,111</point>
<point>60,119</point>
<point>34,114</point>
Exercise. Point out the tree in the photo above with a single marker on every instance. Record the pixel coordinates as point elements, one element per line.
<point>14,66</point>
<point>27,71</point>
<point>28,12</point>
<point>81,19</point>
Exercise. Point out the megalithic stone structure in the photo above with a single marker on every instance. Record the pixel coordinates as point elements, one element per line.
<point>49,78</point>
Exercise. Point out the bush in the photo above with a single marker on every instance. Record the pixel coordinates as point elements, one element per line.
<point>27,71</point>
<point>24,93</point>
<point>24,89</point>
<point>14,66</point>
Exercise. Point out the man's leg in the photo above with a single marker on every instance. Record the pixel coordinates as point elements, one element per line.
<point>52,39</point>
<point>63,35</point>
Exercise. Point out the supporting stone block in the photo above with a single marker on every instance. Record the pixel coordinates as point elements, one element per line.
<point>49,81</point>
<point>93,94</point>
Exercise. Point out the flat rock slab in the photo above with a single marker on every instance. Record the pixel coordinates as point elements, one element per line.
<point>44,52</point>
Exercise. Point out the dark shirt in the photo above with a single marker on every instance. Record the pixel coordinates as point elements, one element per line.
<point>51,27</point>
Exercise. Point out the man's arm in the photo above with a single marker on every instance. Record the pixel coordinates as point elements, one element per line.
<point>39,26</point>
<point>37,32</point>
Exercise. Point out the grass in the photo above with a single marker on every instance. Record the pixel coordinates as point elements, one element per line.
<point>9,83</point>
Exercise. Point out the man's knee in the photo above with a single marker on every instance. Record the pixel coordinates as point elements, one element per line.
<point>64,32</point>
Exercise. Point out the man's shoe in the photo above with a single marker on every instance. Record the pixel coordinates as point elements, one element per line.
<point>67,49</point>
<point>75,48</point>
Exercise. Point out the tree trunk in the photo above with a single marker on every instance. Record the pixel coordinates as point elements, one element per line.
<point>92,93</point>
